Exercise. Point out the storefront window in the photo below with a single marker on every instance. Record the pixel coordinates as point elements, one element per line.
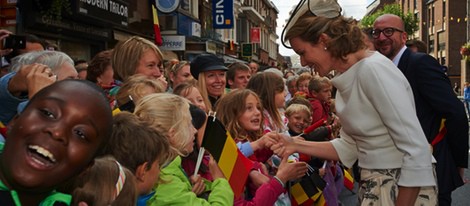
<point>76,50</point>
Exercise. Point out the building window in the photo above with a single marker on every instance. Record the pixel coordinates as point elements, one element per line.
<point>444,9</point>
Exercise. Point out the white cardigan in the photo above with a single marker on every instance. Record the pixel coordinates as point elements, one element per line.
<point>379,123</point>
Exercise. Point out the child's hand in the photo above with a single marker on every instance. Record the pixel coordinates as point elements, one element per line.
<point>291,171</point>
<point>258,178</point>
<point>214,169</point>
<point>283,146</point>
<point>269,140</point>
<point>321,172</point>
<point>198,184</point>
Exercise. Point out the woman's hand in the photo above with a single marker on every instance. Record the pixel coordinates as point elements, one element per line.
<point>283,146</point>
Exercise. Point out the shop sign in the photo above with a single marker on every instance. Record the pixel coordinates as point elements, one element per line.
<point>247,50</point>
<point>73,26</point>
<point>173,43</point>
<point>113,11</point>
<point>196,29</point>
<point>211,47</point>
<point>222,13</point>
<point>255,34</point>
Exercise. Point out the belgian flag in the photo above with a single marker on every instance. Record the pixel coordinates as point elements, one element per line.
<point>308,189</point>
<point>156,25</point>
<point>3,130</point>
<point>225,152</point>
<point>348,180</point>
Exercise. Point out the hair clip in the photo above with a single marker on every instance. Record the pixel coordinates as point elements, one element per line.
<point>212,114</point>
<point>120,181</point>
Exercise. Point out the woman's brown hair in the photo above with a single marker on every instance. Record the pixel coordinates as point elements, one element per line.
<point>345,37</point>
<point>266,85</point>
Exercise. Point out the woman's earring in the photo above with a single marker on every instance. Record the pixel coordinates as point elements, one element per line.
<point>325,48</point>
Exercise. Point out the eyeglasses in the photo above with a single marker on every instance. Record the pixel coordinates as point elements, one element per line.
<point>388,32</point>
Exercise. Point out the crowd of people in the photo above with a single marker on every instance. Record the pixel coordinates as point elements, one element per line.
<point>126,127</point>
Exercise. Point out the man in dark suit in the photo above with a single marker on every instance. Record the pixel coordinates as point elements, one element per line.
<point>435,101</point>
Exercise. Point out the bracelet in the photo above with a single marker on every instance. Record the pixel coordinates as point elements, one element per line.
<point>279,180</point>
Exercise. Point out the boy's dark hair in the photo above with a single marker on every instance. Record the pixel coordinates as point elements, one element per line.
<point>317,83</point>
<point>80,61</point>
<point>97,65</point>
<point>299,100</point>
<point>234,67</point>
<point>134,142</point>
<point>420,45</point>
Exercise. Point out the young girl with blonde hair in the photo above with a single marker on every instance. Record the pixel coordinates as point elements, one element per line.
<point>169,115</point>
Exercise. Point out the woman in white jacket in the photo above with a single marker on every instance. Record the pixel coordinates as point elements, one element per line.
<point>375,104</point>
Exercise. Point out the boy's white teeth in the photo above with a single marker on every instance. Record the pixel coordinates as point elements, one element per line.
<point>43,152</point>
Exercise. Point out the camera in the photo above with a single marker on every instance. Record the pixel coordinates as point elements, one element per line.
<point>14,42</point>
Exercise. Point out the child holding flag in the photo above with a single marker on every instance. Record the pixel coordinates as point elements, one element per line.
<point>240,112</point>
<point>169,114</point>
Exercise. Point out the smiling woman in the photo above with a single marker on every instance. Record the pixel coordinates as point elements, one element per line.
<point>331,42</point>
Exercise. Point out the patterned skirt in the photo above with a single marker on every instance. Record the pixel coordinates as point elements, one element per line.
<point>379,187</point>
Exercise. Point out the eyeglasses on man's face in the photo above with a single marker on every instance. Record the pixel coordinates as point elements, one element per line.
<point>388,32</point>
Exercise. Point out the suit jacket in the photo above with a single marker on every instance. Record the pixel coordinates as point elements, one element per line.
<point>435,100</point>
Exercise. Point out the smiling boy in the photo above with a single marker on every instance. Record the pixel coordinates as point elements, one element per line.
<point>54,139</point>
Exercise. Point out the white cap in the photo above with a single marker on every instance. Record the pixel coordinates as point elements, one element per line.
<point>325,8</point>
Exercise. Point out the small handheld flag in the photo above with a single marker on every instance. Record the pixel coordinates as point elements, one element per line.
<point>225,152</point>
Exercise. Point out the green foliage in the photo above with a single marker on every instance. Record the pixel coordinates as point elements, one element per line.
<point>54,8</point>
<point>411,23</point>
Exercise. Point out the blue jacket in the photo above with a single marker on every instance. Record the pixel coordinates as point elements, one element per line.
<point>435,100</point>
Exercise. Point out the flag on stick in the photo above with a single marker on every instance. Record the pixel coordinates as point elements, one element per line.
<point>156,25</point>
<point>225,152</point>
<point>348,180</point>
<point>308,189</point>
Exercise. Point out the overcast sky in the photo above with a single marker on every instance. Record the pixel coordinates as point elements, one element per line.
<point>354,8</point>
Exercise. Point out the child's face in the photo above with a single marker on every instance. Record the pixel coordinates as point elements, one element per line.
<point>251,118</point>
<point>54,139</point>
<point>195,97</point>
<point>184,74</point>
<point>150,179</point>
<point>189,147</point>
<point>279,99</point>
<point>298,121</point>
<point>291,87</point>
<point>240,80</point>
<point>303,86</point>
<point>324,95</point>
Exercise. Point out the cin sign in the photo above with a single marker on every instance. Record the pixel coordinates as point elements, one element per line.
<point>222,12</point>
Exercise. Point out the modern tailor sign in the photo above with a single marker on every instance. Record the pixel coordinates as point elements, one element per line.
<point>114,11</point>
